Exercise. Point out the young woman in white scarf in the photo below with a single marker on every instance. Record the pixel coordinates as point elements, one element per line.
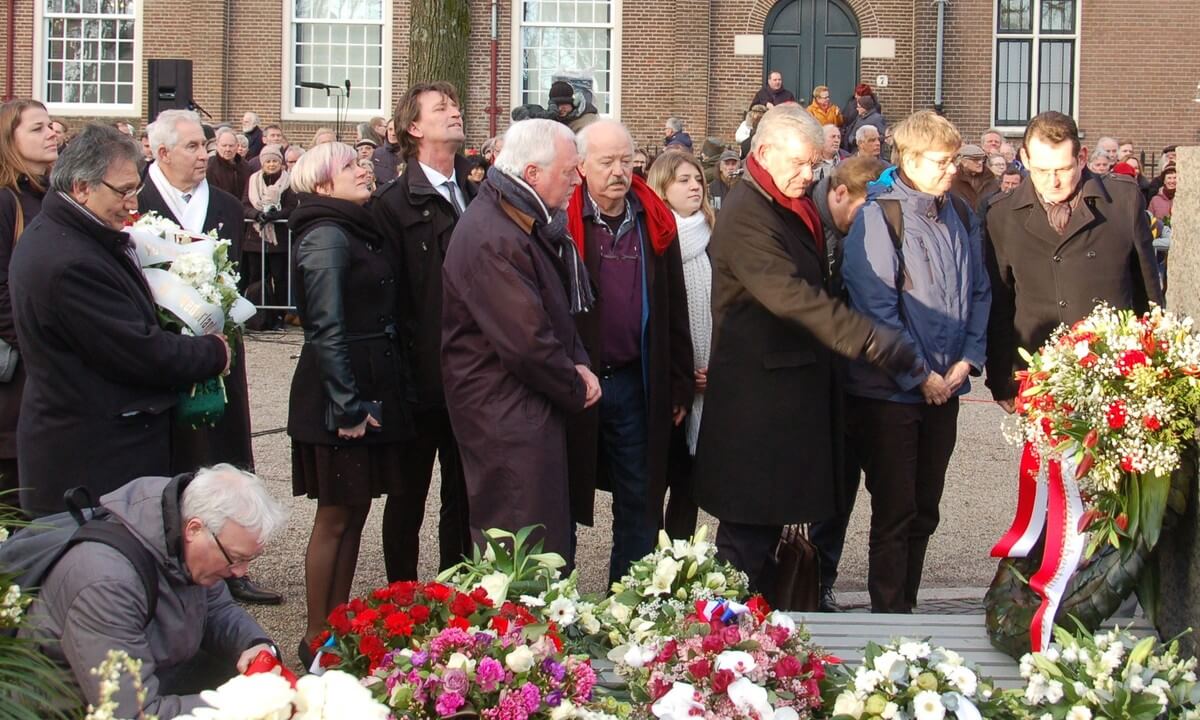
<point>269,199</point>
<point>679,180</point>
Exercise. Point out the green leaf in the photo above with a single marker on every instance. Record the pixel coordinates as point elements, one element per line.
<point>1154,504</point>
<point>1141,651</point>
<point>1148,594</point>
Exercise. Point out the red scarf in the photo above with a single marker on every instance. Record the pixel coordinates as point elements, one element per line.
<point>660,221</point>
<point>802,206</point>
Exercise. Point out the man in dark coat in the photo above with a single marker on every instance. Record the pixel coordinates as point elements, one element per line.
<point>513,365</point>
<point>177,189</point>
<point>102,374</point>
<point>226,169</point>
<point>638,337</point>
<point>1057,245</point>
<point>773,92</point>
<point>771,442</point>
<point>974,181</point>
<point>253,133</point>
<point>386,158</point>
<point>417,214</point>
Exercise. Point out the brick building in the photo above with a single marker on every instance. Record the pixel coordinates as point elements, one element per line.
<point>1130,70</point>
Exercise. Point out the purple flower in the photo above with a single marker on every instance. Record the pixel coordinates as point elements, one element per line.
<point>554,669</point>
<point>532,697</point>
<point>483,639</point>
<point>455,681</point>
<point>449,703</point>
<point>419,658</point>
<point>555,698</point>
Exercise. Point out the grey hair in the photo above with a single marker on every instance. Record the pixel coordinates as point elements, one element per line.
<point>243,141</point>
<point>990,131</point>
<point>675,123</point>
<point>531,142</point>
<point>164,131</point>
<point>225,130</point>
<point>223,493</point>
<point>863,131</point>
<point>585,135</point>
<point>1112,139</point>
<point>252,114</point>
<point>293,148</point>
<point>788,119</point>
<point>87,158</point>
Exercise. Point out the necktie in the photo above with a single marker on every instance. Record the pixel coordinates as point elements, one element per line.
<point>187,198</point>
<point>458,209</point>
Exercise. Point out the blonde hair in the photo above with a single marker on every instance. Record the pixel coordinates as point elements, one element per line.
<point>319,164</point>
<point>322,131</point>
<point>662,174</point>
<point>924,131</point>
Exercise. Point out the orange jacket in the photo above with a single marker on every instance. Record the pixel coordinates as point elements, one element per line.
<point>831,116</point>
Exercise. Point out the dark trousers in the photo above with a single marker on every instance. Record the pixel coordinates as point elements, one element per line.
<point>266,279</point>
<point>749,548</point>
<point>9,483</point>
<point>681,514</point>
<point>905,449</point>
<point>830,535</point>
<point>204,671</point>
<point>405,508</point>
<point>623,458</point>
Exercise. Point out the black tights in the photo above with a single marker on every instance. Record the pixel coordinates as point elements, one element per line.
<point>330,561</point>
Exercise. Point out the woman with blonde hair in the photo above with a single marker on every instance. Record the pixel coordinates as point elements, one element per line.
<point>678,179</point>
<point>28,147</point>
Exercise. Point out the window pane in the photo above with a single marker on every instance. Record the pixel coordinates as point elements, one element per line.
<point>1056,74</point>
<point>1015,16</point>
<point>566,11</point>
<point>333,53</point>
<point>1012,82</point>
<point>84,50</point>
<point>340,9</point>
<point>1058,16</point>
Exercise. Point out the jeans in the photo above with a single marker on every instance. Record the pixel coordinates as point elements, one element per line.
<point>623,458</point>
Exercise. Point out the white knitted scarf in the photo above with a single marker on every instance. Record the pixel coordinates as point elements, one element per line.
<point>694,233</point>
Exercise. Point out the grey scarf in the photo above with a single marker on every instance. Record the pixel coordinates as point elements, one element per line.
<point>552,228</point>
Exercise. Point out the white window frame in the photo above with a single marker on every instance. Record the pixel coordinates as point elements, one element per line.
<point>1035,37</point>
<point>516,96</point>
<point>66,109</point>
<point>287,109</point>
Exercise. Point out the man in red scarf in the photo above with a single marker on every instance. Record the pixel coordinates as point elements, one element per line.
<point>638,338</point>
<point>771,441</point>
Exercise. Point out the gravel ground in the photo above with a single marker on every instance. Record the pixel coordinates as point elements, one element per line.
<point>978,503</point>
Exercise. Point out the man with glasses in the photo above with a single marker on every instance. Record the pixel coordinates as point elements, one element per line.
<point>102,374</point>
<point>177,188</point>
<point>823,109</point>
<point>189,636</point>
<point>1057,245</point>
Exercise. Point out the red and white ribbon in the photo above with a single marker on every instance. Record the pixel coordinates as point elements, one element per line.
<point>1048,499</point>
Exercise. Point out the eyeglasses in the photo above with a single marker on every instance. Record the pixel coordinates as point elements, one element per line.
<point>125,194</point>
<point>228,558</point>
<point>943,164</point>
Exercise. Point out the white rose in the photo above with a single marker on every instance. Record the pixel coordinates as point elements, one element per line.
<point>590,624</point>
<point>496,586</point>
<point>620,612</point>
<point>519,660</point>
<point>458,661</point>
<point>264,696</point>
<point>848,704</point>
<point>336,696</point>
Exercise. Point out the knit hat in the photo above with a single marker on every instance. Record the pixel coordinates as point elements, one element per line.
<point>972,151</point>
<point>271,151</point>
<point>561,93</point>
<point>1124,168</point>
<point>711,147</point>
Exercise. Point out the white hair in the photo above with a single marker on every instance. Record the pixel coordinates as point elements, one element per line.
<point>583,139</point>
<point>225,130</point>
<point>319,164</point>
<point>223,493</point>
<point>830,128</point>
<point>864,131</point>
<point>675,123</point>
<point>242,140</point>
<point>252,114</point>
<point>531,142</point>
<point>783,119</point>
<point>164,131</point>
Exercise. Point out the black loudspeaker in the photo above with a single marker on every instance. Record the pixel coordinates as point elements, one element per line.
<point>170,86</point>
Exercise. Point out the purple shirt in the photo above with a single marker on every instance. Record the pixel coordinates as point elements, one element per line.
<point>619,282</point>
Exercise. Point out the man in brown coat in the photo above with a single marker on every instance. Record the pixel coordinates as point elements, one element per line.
<point>1058,245</point>
<point>638,338</point>
<point>228,170</point>
<point>513,366</point>
<point>771,442</point>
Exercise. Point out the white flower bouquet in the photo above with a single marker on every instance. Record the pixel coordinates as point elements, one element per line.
<point>194,283</point>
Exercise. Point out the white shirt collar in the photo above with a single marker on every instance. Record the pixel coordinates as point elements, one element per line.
<point>434,177</point>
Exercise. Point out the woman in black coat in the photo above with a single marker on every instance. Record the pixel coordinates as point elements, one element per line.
<point>28,147</point>
<point>346,414</point>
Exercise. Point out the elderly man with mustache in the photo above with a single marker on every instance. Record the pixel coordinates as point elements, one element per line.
<point>637,336</point>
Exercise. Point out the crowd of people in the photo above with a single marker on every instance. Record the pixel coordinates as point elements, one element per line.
<point>750,329</point>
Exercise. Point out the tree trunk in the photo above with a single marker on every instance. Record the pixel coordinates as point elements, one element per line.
<point>438,43</point>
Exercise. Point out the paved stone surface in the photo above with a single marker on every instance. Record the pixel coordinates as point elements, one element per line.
<point>978,503</point>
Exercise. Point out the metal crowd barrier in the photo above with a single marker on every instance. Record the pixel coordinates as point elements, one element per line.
<point>282,235</point>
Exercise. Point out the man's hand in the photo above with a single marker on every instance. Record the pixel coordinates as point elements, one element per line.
<point>1009,406</point>
<point>957,375</point>
<point>591,383</point>
<point>358,430</point>
<point>701,376</point>
<point>935,389</point>
<point>228,354</point>
<point>678,413</point>
<point>248,657</point>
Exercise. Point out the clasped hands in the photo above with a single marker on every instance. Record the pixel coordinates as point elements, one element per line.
<point>937,388</point>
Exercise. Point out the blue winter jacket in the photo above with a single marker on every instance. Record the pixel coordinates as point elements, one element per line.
<point>943,306</point>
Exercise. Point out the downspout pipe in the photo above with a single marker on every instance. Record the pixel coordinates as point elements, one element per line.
<point>938,104</point>
<point>493,109</point>
<point>9,62</point>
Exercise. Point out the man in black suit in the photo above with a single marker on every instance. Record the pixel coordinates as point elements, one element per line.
<point>177,188</point>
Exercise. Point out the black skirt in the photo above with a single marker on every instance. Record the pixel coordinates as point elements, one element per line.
<point>344,474</point>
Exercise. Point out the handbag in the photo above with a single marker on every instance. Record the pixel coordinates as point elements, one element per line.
<point>796,585</point>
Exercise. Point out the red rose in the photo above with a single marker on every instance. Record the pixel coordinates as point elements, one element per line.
<point>778,634</point>
<point>398,623</point>
<point>788,666</point>
<point>700,668</point>
<point>480,596</point>
<point>712,643</point>
<point>667,652</point>
<point>462,605</point>
<point>1152,423</point>
<point>403,592</point>
<point>500,625</point>
<point>460,623</point>
<point>722,680</point>
<point>419,613</point>
<point>730,635</point>
<point>438,592</point>
<point>1117,415</point>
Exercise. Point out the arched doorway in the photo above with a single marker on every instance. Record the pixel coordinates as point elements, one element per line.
<point>812,42</point>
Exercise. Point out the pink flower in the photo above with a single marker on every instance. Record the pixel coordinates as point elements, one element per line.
<point>449,703</point>
<point>489,674</point>
<point>585,680</point>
